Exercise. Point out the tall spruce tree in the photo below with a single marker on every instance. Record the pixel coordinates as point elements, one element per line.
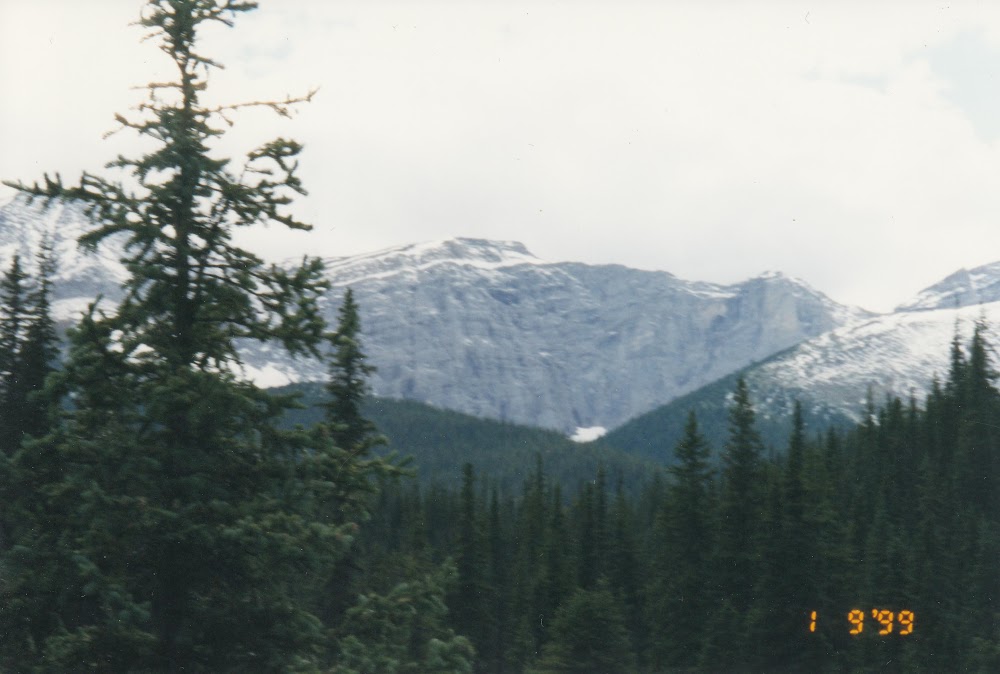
<point>555,581</point>
<point>353,436</point>
<point>348,383</point>
<point>624,571</point>
<point>736,563</point>
<point>977,450</point>
<point>785,594</point>
<point>496,655</point>
<point>347,387</point>
<point>14,318</point>
<point>171,525</point>
<point>40,352</point>
<point>684,537</point>
<point>742,504</point>
<point>528,601</point>
<point>472,597</point>
<point>28,353</point>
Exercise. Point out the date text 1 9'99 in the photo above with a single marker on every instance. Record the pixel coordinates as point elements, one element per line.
<point>887,622</point>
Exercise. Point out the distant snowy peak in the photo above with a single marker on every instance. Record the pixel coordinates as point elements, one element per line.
<point>480,254</point>
<point>780,278</point>
<point>488,255</point>
<point>896,354</point>
<point>841,313</point>
<point>964,288</point>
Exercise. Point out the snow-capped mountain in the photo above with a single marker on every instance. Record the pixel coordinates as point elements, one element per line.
<point>896,354</point>
<point>893,354</point>
<point>962,289</point>
<point>485,327</point>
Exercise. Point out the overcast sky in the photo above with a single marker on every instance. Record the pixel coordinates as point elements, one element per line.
<point>855,145</point>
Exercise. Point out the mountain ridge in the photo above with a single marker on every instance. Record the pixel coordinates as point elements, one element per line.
<point>601,342</point>
<point>965,287</point>
<point>896,355</point>
<point>486,328</point>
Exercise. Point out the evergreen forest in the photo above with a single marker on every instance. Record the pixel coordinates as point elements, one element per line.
<point>161,513</point>
<point>870,549</point>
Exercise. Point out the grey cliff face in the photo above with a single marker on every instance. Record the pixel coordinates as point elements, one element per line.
<point>486,328</point>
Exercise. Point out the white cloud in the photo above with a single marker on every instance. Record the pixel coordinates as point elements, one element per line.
<point>713,140</point>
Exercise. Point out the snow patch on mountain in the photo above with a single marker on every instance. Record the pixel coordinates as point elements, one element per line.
<point>588,434</point>
<point>964,288</point>
<point>477,254</point>
<point>895,354</point>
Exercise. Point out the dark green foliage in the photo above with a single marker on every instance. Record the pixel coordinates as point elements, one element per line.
<point>663,427</point>
<point>588,636</point>
<point>441,441</point>
<point>556,578</point>
<point>679,585</point>
<point>473,596</point>
<point>40,353</point>
<point>531,598</point>
<point>978,446</point>
<point>495,654</point>
<point>788,582</point>
<point>347,386</point>
<point>28,349</point>
<point>624,571</point>
<point>588,532</point>
<point>404,631</point>
<point>723,570</point>
<point>13,326</point>
<point>28,354</point>
<point>741,506</point>
<point>164,522</point>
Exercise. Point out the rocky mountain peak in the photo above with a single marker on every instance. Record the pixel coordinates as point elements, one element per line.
<point>778,279</point>
<point>487,328</point>
<point>964,288</point>
<point>417,257</point>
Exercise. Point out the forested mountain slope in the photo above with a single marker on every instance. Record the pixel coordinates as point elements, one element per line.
<point>656,433</point>
<point>869,548</point>
<point>440,442</point>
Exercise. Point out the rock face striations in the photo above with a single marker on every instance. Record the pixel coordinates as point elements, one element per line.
<point>486,328</point>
